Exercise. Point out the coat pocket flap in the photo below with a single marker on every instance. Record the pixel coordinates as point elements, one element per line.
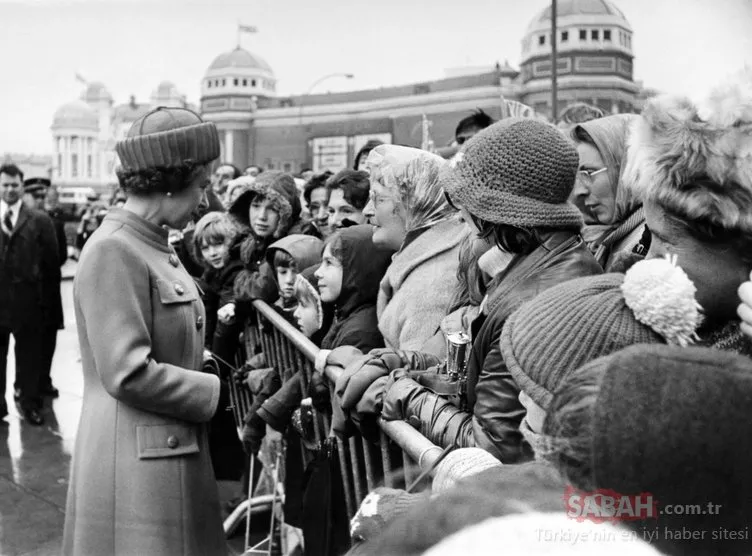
<point>164,441</point>
<point>175,291</point>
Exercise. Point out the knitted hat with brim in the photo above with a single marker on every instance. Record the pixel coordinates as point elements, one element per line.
<point>167,138</point>
<point>518,171</point>
<point>673,423</point>
<point>276,188</point>
<point>572,323</point>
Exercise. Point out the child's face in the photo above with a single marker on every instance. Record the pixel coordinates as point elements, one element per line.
<point>329,275</point>
<point>286,280</point>
<point>306,313</point>
<point>264,219</point>
<point>216,255</point>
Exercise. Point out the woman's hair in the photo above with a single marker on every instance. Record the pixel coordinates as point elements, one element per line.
<point>317,181</point>
<point>159,180</point>
<point>470,288</point>
<point>569,426</point>
<point>355,186</point>
<point>283,259</point>
<point>512,239</point>
<point>364,150</point>
<point>609,137</point>
<point>214,228</point>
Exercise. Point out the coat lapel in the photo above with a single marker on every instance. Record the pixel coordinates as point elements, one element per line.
<point>23,216</point>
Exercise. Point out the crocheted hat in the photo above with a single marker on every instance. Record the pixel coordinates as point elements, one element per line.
<point>166,138</point>
<point>563,328</point>
<point>695,159</point>
<point>518,171</point>
<point>279,188</point>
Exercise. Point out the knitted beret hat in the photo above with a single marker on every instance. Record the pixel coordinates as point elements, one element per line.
<point>166,138</point>
<point>518,171</point>
<point>563,328</point>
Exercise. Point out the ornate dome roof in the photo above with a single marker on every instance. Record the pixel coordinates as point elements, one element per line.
<point>166,89</point>
<point>76,114</point>
<point>237,59</point>
<point>96,91</point>
<point>585,8</point>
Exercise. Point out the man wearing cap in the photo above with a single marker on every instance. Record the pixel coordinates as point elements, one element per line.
<point>35,195</point>
<point>29,289</point>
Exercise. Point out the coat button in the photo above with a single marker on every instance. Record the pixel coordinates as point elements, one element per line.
<point>179,289</point>
<point>172,442</point>
<point>199,322</point>
<point>174,261</point>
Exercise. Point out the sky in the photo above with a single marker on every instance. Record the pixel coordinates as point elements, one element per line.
<point>680,46</point>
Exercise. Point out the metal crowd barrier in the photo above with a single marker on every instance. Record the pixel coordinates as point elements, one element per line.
<point>402,457</point>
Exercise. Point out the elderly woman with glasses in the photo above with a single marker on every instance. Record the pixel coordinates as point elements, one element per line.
<point>615,221</point>
<point>410,215</point>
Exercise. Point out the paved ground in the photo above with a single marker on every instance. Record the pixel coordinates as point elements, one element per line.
<point>35,461</point>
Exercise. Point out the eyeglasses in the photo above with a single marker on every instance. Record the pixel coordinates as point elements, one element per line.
<point>378,199</point>
<point>587,175</point>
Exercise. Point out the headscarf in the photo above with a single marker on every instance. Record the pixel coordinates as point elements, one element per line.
<point>610,135</point>
<point>412,178</point>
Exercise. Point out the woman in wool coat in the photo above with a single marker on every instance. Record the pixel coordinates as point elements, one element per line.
<point>141,478</point>
<point>411,215</point>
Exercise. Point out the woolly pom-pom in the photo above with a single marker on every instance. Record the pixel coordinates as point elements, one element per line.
<point>662,297</point>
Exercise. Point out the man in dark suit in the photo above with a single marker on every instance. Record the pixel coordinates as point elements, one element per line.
<point>29,285</point>
<point>35,196</point>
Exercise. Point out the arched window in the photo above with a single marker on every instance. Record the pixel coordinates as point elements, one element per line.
<point>235,81</point>
<point>253,82</point>
<point>245,82</point>
<point>541,39</point>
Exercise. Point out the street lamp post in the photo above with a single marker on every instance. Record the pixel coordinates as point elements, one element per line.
<point>313,86</point>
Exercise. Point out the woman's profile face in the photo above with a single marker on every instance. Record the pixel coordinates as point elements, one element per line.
<point>715,269</point>
<point>182,205</point>
<point>596,193</point>
<point>385,216</point>
<point>329,275</point>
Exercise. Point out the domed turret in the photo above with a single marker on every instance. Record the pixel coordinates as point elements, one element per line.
<point>237,73</point>
<point>76,115</point>
<point>167,94</point>
<point>96,92</point>
<point>594,57</point>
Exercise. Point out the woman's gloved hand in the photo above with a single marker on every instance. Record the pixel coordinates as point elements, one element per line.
<point>400,390</point>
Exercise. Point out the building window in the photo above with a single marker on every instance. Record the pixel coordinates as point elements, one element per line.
<point>89,166</point>
<point>583,35</point>
<point>235,81</point>
<point>253,82</point>
<point>607,35</point>
<point>245,82</point>
<point>629,42</point>
<point>594,34</point>
<point>74,165</point>
<point>208,83</point>
<point>224,82</point>
<point>564,36</point>
<point>287,167</point>
<point>541,39</point>
<point>59,165</point>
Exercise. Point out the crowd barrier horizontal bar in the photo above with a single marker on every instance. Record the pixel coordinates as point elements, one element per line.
<point>364,464</point>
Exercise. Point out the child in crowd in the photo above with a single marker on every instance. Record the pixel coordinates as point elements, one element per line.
<point>214,244</point>
<point>289,256</point>
<point>267,210</point>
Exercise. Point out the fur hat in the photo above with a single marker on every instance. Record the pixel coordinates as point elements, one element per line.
<point>279,188</point>
<point>695,159</point>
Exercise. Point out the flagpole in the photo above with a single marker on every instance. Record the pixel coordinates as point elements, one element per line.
<point>238,30</point>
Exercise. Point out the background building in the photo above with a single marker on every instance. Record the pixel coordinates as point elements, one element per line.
<point>84,133</point>
<point>257,126</point>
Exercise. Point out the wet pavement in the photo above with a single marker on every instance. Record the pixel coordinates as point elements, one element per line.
<point>35,461</point>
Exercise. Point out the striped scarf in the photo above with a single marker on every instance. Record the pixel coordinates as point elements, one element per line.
<point>602,246</point>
